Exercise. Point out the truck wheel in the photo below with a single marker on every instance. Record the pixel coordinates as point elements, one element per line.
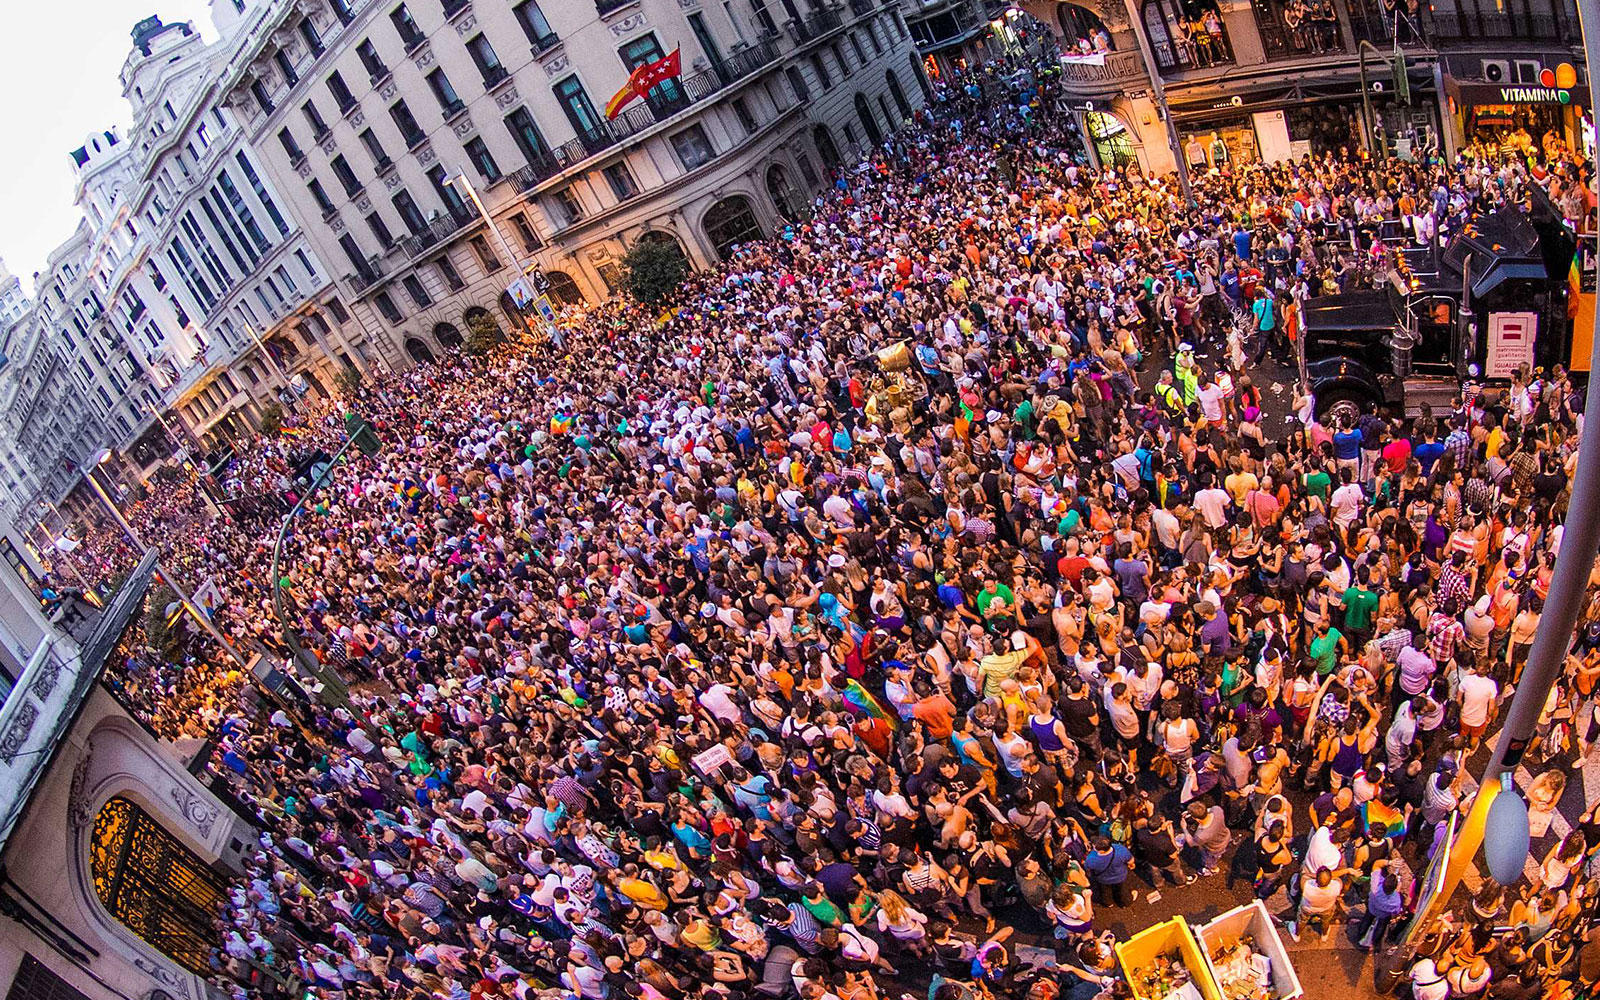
<point>1337,404</point>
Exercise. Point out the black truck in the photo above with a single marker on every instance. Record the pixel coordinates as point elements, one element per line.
<point>1497,296</point>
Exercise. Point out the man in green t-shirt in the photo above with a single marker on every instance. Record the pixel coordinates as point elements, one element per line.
<point>994,590</point>
<point>1324,649</point>
<point>1318,483</point>
<point>1360,604</point>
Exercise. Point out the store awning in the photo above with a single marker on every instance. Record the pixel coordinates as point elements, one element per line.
<point>1471,95</point>
<point>1276,97</point>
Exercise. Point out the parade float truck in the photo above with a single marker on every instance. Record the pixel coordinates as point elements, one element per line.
<point>1512,288</point>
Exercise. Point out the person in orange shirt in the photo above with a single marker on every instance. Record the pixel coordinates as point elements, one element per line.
<point>934,710</point>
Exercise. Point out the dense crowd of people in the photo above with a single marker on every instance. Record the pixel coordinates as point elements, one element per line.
<point>926,581</point>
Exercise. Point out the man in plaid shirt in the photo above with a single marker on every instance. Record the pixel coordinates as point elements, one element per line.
<point>1444,632</point>
<point>1459,443</point>
<point>1455,585</point>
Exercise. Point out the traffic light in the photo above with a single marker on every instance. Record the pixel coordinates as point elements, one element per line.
<point>361,432</point>
<point>1402,82</point>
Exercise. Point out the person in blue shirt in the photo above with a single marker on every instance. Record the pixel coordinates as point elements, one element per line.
<point>1384,904</point>
<point>1347,446</point>
<point>1107,865</point>
<point>1241,243</point>
<point>1428,452</point>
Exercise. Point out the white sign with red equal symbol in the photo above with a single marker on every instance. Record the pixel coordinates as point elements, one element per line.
<point>1511,337</point>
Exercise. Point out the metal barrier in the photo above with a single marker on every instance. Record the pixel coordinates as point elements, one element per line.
<point>335,691</point>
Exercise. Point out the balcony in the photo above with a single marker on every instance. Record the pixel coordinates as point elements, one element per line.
<point>454,108</point>
<point>1190,46</point>
<point>1286,34</point>
<point>413,41</point>
<point>1501,26</point>
<point>861,8</point>
<point>691,90</point>
<point>546,43</point>
<point>454,7</point>
<point>1115,68</point>
<point>414,139</point>
<point>366,277</point>
<point>438,231</point>
<point>815,25</point>
<point>494,76</point>
<point>382,164</point>
<point>604,7</point>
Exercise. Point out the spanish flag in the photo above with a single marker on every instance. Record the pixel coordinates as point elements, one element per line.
<point>644,78</point>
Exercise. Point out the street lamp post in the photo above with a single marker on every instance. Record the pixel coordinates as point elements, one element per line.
<point>460,181</point>
<point>1159,94</point>
<point>1575,560</point>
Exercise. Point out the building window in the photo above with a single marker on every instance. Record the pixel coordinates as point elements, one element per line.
<point>534,25</point>
<point>280,58</point>
<point>368,54</point>
<point>578,108</point>
<point>453,202</point>
<point>414,289</point>
<point>621,181</point>
<point>341,92</point>
<point>448,271</point>
<point>692,146</point>
<point>525,233</point>
<point>482,159</point>
<point>290,147</point>
<point>407,123</point>
<point>763,17</point>
<point>797,83</point>
<point>305,262</point>
<point>610,273</point>
<point>486,257</point>
<point>319,128</point>
<point>340,314</point>
<point>665,96</point>
<point>320,196</point>
<point>346,176</point>
<point>483,56</point>
<point>369,139</point>
<point>410,214</point>
<point>741,111</point>
<point>258,90</point>
<point>380,229</point>
<point>410,35</point>
<point>855,46</point>
<point>568,208</point>
<point>308,31</point>
<point>525,132</point>
<point>386,306</point>
<point>729,223</point>
<point>449,101</point>
<point>1185,33</point>
<point>820,68</point>
<point>154,885</point>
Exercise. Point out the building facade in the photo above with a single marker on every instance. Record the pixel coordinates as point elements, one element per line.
<point>387,124</point>
<point>1252,80</point>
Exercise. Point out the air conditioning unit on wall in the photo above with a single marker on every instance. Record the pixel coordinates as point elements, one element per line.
<point>1496,70</point>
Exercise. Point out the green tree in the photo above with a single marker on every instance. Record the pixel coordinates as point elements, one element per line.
<point>349,381</point>
<point>653,269</point>
<point>483,333</point>
<point>271,419</point>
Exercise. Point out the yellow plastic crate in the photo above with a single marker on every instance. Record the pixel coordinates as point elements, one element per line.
<point>1163,939</point>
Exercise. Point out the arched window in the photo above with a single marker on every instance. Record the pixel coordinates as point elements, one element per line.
<point>920,74</point>
<point>730,222</point>
<point>419,351</point>
<point>154,885</point>
<point>896,93</point>
<point>563,290</point>
<point>1080,25</point>
<point>782,192</point>
<point>868,121</point>
<point>1110,137</point>
<point>446,334</point>
<point>825,147</point>
<point>314,385</point>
